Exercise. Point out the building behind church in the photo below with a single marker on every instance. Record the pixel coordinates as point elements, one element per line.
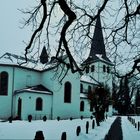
<point>39,92</point>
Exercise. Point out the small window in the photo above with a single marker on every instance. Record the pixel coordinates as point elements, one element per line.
<point>91,107</point>
<point>39,104</point>
<point>87,69</point>
<point>89,89</point>
<point>4,83</point>
<point>104,68</point>
<point>82,106</point>
<point>108,69</point>
<point>92,68</point>
<point>81,88</point>
<point>67,92</point>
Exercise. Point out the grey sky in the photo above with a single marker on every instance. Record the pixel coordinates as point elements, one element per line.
<point>11,36</point>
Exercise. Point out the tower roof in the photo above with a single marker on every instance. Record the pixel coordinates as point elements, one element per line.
<point>97,44</point>
<point>97,51</point>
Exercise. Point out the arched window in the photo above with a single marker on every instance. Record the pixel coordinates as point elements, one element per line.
<point>92,68</point>
<point>104,68</point>
<point>89,89</point>
<point>87,69</point>
<point>81,88</point>
<point>91,107</point>
<point>108,69</point>
<point>4,83</point>
<point>82,106</point>
<point>67,92</point>
<point>39,104</point>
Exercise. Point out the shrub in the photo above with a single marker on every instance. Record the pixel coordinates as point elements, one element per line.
<point>71,118</point>
<point>39,135</point>
<point>87,127</point>
<point>91,117</point>
<point>78,130</point>
<point>58,118</point>
<point>93,124</point>
<point>10,119</point>
<point>29,118</point>
<point>81,117</point>
<point>64,136</point>
<point>44,118</point>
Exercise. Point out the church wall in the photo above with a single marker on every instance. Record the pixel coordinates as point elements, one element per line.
<point>6,100</point>
<point>99,75</point>
<point>29,105</point>
<point>66,110</point>
<point>47,79</point>
<point>25,77</point>
<point>102,76</point>
<point>86,112</point>
<point>51,79</point>
<point>86,86</point>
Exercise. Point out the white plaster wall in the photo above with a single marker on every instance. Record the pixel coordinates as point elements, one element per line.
<point>66,110</point>
<point>86,112</point>
<point>29,105</point>
<point>51,79</point>
<point>101,76</point>
<point>26,77</point>
<point>86,85</point>
<point>6,101</point>
<point>48,78</point>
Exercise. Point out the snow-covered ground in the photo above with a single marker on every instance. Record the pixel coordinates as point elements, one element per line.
<point>52,129</point>
<point>129,130</point>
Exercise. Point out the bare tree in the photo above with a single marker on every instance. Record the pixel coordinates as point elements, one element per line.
<point>99,98</point>
<point>73,22</point>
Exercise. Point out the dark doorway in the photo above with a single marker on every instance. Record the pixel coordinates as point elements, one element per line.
<point>19,108</point>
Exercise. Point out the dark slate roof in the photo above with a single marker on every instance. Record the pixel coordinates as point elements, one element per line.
<point>40,89</point>
<point>97,45</point>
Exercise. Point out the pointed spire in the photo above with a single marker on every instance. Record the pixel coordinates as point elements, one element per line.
<point>97,51</point>
<point>44,56</point>
<point>97,45</point>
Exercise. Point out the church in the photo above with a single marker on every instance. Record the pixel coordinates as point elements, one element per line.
<point>40,91</point>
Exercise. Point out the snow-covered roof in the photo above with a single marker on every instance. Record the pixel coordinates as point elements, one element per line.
<point>83,95</point>
<point>96,58</point>
<point>102,58</point>
<point>89,79</point>
<point>40,89</point>
<point>16,60</point>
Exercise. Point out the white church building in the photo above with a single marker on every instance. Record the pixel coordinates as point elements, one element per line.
<point>40,92</point>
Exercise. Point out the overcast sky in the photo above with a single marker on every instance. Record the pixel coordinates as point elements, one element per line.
<point>11,36</point>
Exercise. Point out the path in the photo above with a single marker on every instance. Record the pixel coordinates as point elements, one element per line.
<point>115,131</point>
<point>129,131</point>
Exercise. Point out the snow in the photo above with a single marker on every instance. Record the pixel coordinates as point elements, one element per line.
<point>87,78</point>
<point>129,131</point>
<point>83,95</point>
<point>99,56</point>
<point>52,129</point>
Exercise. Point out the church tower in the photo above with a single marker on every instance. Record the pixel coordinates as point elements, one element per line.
<point>98,65</point>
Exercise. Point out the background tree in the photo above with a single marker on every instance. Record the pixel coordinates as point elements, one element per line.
<point>124,97</point>
<point>137,101</point>
<point>124,93</point>
<point>72,23</point>
<point>99,98</point>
